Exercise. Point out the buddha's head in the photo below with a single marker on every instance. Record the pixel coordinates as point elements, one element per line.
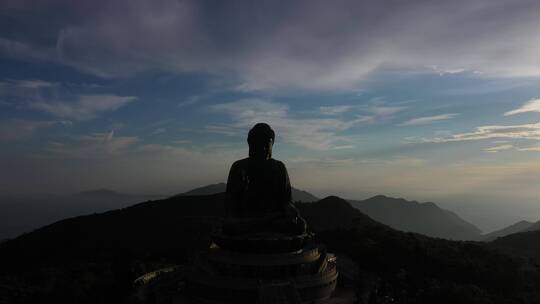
<point>260,140</point>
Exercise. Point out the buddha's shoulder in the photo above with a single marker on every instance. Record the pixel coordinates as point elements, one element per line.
<point>245,162</point>
<point>241,163</point>
<point>277,165</point>
<point>276,162</point>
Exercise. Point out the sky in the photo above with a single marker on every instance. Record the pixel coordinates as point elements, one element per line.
<point>427,100</point>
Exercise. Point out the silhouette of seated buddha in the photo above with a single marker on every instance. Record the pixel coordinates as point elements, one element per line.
<point>258,198</point>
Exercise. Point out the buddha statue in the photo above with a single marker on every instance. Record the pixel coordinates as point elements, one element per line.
<point>258,196</point>
<point>262,253</point>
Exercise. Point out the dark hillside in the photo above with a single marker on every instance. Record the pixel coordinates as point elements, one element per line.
<point>95,258</point>
<point>523,244</point>
<point>333,213</point>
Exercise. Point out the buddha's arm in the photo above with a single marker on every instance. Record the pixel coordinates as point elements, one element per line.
<point>234,189</point>
<point>287,193</point>
<point>286,200</point>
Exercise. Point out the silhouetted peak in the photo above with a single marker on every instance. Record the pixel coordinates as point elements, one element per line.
<point>205,190</point>
<point>430,205</point>
<point>336,200</point>
<point>333,212</point>
<point>425,218</point>
<point>392,200</point>
<point>531,225</point>
<point>518,227</point>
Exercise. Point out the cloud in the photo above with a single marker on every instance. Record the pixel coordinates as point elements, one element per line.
<point>369,113</point>
<point>96,145</point>
<point>26,50</point>
<point>56,99</point>
<point>34,84</point>
<point>335,110</point>
<point>532,105</point>
<point>530,149</point>
<point>280,45</point>
<point>428,119</point>
<point>499,148</point>
<point>159,131</point>
<point>87,107</point>
<point>442,71</point>
<point>386,110</point>
<point>343,147</point>
<point>20,91</point>
<point>189,101</point>
<point>27,84</point>
<point>489,86</point>
<point>224,130</point>
<point>20,129</point>
<point>313,133</point>
<point>525,131</point>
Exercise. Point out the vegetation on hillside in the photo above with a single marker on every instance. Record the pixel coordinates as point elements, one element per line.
<point>95,258</point>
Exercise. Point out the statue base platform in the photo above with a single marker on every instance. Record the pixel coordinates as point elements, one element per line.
<point>263,268</point>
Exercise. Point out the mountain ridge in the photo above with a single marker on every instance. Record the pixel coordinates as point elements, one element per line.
<point>521,226</point>
<point>410,216</point>
<point>424,218</point>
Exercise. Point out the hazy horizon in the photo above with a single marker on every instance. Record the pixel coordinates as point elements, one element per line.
<point>485,212</point>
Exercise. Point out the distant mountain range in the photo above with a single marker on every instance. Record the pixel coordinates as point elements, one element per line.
<point>424,218</point>
<point>20,214</point>
<point>521,226</point>
<point>410,216</point>
<point>398,213</point>
<point>297,195</point>
<point>95,258</point>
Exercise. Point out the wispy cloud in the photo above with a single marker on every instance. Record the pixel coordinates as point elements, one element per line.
<point>20,129</point>
<point>17,92</point>
<point>314,133</point>
<point>87,107</point>
<point>532,105</point>
<point>292,50</point>
<point>365,113</point>
<point>27,84</point>
<point>96,145</point>
<point>26,51</point>
<point>335,110</point>
<point>222,129</point>
<point>428,119</point>
<point>530,149</point>
<point>525,131</point>
<point>442,70</point>
<point>189,101</point>
<point>499,148</point>
<point>382,110</point>
<point>343,147</point>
